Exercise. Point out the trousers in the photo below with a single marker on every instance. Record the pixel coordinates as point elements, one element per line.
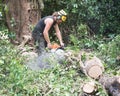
<point>39,41</point>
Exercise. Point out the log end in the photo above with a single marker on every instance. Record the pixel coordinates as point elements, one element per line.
<point>95,71</point>
<point>89,87</point>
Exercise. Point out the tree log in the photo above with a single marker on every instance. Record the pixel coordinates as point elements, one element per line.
<point>93,67</point>
<point>111,84</point>
<point>89,87</point>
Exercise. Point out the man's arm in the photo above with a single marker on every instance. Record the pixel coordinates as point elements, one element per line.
<point>48,25</point>
<point>58,33</point>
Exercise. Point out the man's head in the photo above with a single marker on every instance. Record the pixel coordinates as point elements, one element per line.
<point>61,16</point>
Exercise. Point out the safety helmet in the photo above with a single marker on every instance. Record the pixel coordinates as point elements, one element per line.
<point>62,15</point>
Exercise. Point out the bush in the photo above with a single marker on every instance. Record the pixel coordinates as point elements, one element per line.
<point>110,52</point>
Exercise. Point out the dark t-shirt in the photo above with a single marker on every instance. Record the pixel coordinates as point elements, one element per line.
<point>41,25</point>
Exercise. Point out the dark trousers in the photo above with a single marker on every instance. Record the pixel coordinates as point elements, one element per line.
<point>39,41</point>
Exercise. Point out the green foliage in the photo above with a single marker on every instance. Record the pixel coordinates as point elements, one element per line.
<point>101,91</point>
<point>2,17</point>
<point>16,79</point>
<point>85,17</point>
<point>5,33</point>
<point>102,17</point>
<point>19,80</point>
<point>83,40</point>
<point>110,52</point>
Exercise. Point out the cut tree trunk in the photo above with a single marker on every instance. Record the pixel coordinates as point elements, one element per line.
<point>92,67</point>
<point>89,87</point>
<point>21,16</point>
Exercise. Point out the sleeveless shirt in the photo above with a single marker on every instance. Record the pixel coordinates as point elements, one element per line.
<point>41,24</point>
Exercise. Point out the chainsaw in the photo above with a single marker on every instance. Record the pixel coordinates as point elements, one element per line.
<point>56,46</point>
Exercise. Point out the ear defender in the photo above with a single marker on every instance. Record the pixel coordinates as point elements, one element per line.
<point>63,18</point>
<point>58,17</point>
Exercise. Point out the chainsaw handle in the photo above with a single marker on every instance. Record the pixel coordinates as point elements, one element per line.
<point>61,47</point>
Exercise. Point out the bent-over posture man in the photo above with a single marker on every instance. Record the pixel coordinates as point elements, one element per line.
<point>40,33</point>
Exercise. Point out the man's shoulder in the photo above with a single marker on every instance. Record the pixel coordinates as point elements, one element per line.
<point>46,17</point>
<point>49,19</point>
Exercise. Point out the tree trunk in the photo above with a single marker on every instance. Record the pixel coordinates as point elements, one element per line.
<point>21,16</point>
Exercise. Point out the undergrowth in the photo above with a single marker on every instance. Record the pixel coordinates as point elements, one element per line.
<point>18,80</point>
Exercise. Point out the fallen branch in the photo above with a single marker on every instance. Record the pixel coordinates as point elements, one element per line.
<point>25,40</point>
<point>111,84</point>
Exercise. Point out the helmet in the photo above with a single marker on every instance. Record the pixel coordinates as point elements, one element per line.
<point>62,15</point>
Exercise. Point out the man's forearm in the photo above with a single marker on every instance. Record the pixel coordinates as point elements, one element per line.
<point>46,36</point>
<point>59,37</point>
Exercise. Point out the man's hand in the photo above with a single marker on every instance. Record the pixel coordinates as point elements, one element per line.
<point>49,45</point>
<point>62,44</point>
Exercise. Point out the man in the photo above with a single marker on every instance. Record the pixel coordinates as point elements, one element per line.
<point>41,31</point>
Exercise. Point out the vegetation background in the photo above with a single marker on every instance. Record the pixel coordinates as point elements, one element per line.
<point>91,24</point>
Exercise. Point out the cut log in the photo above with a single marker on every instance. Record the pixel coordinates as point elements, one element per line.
<point>89,87</point>
<point>93,67</point>
<point>111,84</point>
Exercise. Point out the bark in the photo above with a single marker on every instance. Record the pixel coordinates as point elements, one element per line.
<point>92,66</point>
<point>111,84</point>
<point>21,16</point>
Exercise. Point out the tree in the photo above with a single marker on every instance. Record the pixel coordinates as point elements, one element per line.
<point>21,15</point>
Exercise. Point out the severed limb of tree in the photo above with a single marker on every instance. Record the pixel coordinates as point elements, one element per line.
<point>111,84</point>
<point>91,66</point>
